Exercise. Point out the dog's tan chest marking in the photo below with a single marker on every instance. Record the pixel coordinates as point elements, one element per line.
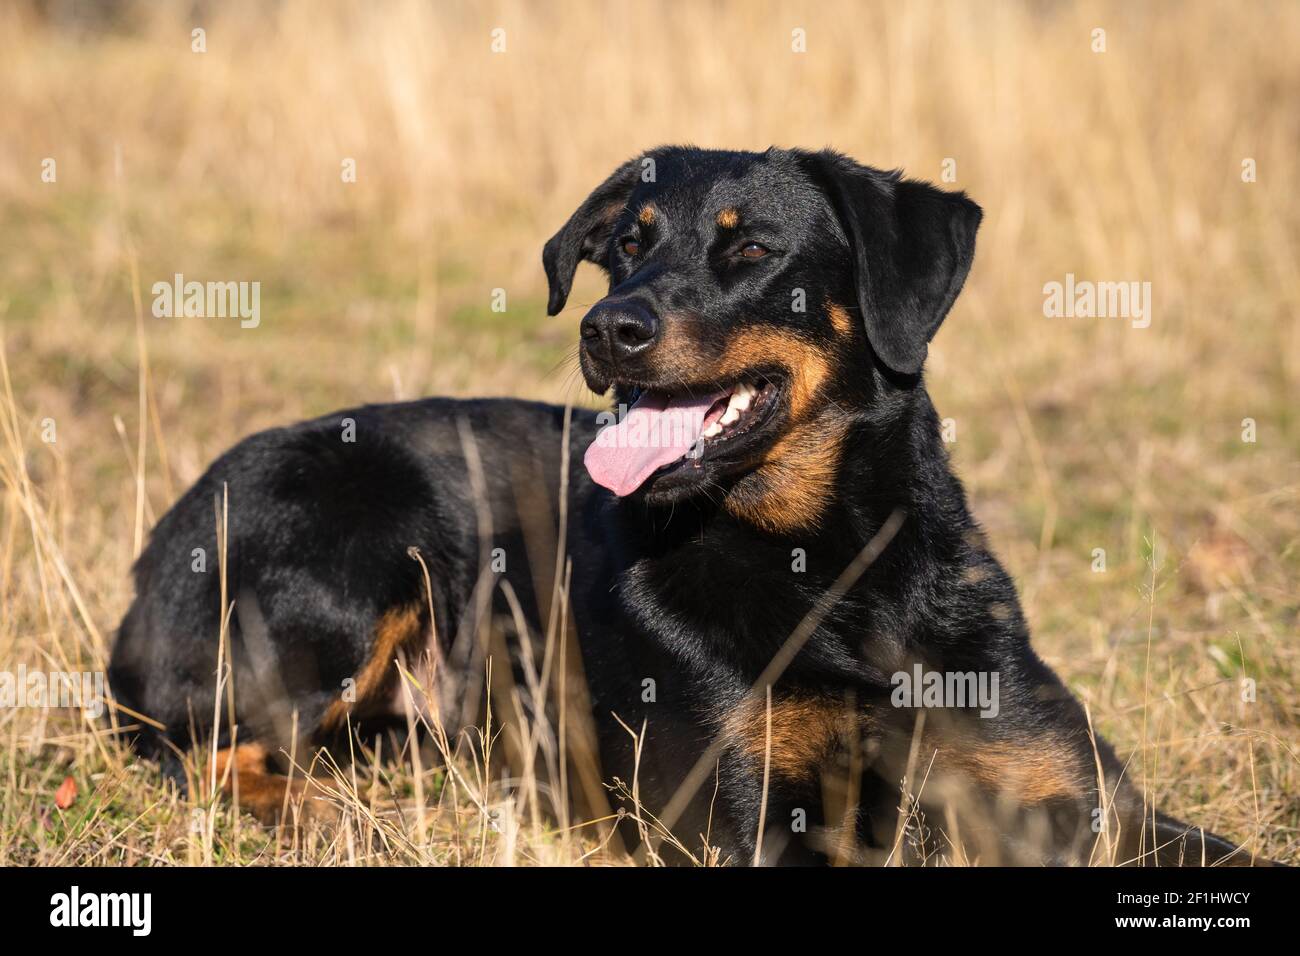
<point>804,733</point>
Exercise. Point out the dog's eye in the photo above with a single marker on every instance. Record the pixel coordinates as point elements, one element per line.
<point>753,250</point>
<point>631,247</point>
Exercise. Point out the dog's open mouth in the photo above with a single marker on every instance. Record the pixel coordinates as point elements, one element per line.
<point>667,431</point>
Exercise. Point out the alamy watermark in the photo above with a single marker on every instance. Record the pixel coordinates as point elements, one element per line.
<point>1081,298</point>
<point>208,300</point>
<point>26,688</point>
<point>946,689</point>
<point>133,911</point>
<point>674,429</point>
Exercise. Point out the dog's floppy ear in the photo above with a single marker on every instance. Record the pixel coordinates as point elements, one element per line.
<point>912,245</point>
<point>586,233</point>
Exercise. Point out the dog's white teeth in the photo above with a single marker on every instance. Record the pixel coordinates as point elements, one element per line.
<point>740,400</point>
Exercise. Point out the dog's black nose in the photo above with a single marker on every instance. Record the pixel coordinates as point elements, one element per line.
<point>618,330</point>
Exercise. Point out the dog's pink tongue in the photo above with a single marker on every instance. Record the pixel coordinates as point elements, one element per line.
<point>655,431</point>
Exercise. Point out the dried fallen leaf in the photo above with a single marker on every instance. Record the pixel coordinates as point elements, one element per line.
<point>66,795</point>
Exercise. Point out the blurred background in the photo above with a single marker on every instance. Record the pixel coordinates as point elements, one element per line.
<point>1163,149</point>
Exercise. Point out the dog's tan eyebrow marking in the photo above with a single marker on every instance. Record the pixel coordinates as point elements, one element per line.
<point>840,320</point>
<point>647,214</point>
<point>728,218</point>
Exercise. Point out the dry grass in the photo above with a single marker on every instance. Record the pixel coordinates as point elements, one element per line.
<point>1071,434</point>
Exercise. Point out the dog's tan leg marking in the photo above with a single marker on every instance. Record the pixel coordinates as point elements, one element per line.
<point>400,629</point>
<point>264,793</point>
<point>1029,773</point>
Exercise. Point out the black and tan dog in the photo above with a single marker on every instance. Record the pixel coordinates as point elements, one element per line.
<point>746,560</point>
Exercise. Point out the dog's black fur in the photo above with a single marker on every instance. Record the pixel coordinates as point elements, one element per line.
<point>683,593</point>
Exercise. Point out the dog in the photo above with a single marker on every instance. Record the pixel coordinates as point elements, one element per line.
<point>742,568</point>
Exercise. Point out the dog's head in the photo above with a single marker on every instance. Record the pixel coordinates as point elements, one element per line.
<point>757,302</point>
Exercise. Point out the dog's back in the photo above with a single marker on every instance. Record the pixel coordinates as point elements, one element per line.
<point>309,532</point>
